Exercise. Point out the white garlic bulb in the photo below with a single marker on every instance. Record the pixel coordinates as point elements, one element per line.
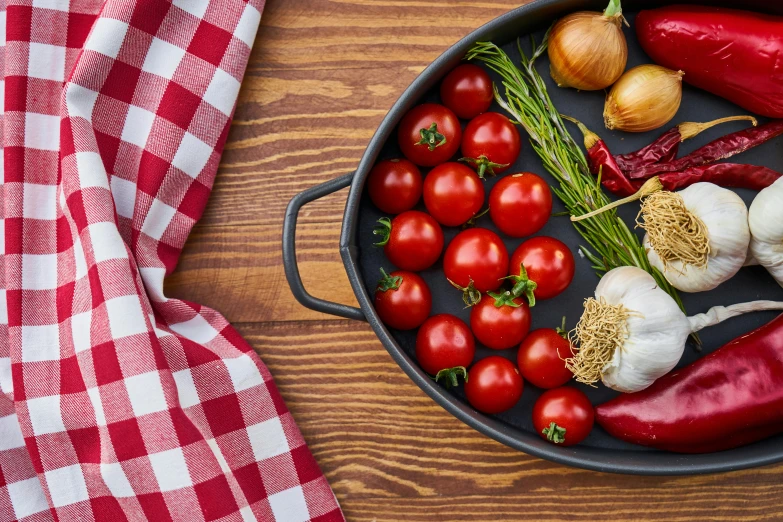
<point>656,329</point>
<point>724,217</point>
<point>633,332</point>
<point>766,229</point>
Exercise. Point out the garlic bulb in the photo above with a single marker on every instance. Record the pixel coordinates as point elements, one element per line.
<point>644,98</point>
<point>587,50</point>
<point>633,333</point>
<point>697,237</point>
<point>766,229</point>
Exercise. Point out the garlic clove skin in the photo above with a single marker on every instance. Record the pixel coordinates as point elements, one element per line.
<point>587,51</point>
<point>644,98</point>
<point>765,220</point>
<point>657,330</point>
<point>725,216</point>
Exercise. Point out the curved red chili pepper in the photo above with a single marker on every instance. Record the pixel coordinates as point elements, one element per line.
<point>601,161</point>
<point>727,175</point>
<point>731,397</point>
<point>722,148</point>
<point>664,149</point>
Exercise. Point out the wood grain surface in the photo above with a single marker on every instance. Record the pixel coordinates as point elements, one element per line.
<point>322,75</point>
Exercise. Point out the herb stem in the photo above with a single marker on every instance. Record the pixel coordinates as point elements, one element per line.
<point>526,99</point>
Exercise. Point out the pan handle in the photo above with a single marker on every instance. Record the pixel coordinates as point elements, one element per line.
<point>289,251</point>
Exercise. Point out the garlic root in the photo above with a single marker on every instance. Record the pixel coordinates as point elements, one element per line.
<point>633,333</point>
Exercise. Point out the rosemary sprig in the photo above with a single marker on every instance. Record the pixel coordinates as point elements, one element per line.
<point>527,101</point>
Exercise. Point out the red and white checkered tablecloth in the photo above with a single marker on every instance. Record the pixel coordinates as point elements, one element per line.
<point>118,403</point>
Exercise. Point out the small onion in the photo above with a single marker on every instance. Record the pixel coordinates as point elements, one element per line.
<point>587,50</point>
<point>644,98</point>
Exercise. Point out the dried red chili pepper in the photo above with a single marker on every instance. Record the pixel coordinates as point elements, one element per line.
<point>730,398</point>
<point>601,161</point>
<point>666,147</point>
<point>722,148</point>
<point>727,175</point>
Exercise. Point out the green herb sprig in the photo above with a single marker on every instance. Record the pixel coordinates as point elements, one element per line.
<point>527,101</point>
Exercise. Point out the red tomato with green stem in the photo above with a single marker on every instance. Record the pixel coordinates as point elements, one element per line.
<point>563,416</point>
<point>453,194</point>
<point>490,143</point>
<point>467,90</point>
<point>412,241</point>
<point>402,300</point>
<point>394,185</point>
<point>541,268</point>
<point>429,134</point>
<point>494,385</point>
<point>520,204</point>
<point>475,261</point>
<point>445,348</point>
<point>500,321</point>
<point>541,357</point>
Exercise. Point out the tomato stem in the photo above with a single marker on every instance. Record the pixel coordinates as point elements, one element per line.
<point>484,166</point>
<point>470,295</point>
<point>504,299</point>
<point>524,286</point>
<point>451,374</point>
<point>431,137</point>
<point>561,330</point>
<point>554,433</point>
<point>472,221</point>
<point>388,282</point>
<point>383,230</point>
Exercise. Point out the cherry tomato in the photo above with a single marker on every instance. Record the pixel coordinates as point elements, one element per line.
<point>467,90</point>
<point>429,134</point>
<point>491,142</point>
<point>394,185</point>
<point>563,416</point>
<point>494,385</point>
<point>500,322</point>
<point>445,343</point>
<point>541,358</point>
<point>402,300</point>
<point>520,205</point>
<point>479,256</point>
<point>412,241</point>
<point>547,261</point>
<point>453,194</point>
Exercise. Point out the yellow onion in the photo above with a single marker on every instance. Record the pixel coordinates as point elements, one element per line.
<point>643,99</point>
<point>587,50</point>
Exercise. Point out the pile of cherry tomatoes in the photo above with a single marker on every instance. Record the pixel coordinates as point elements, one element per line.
<point>500,289</point>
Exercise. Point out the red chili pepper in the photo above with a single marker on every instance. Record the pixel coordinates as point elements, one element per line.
<point>600,161</point>
<point>730,398</point>
<point>727,175</point>
<point>666,147</point>
<point>722,148</point>
<point>734,54</point>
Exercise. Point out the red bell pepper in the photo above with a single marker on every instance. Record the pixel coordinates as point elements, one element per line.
<point>731,397</point>
<point>734,54</point>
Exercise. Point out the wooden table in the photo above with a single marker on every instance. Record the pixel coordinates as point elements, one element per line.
<point>322,75</point>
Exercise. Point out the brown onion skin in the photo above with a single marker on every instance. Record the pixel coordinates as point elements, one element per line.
<point>646,97</point>
<point>587,51</point>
